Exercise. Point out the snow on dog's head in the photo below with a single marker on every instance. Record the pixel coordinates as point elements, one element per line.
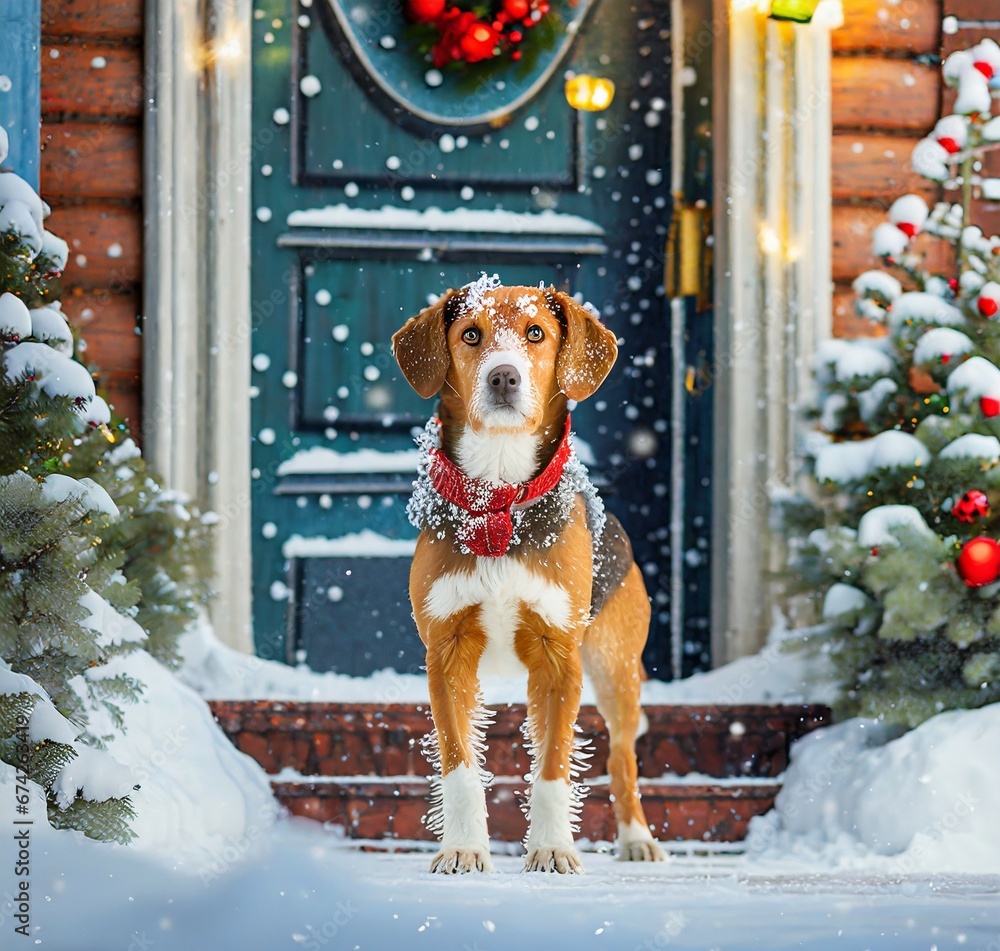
<point>505,359</point>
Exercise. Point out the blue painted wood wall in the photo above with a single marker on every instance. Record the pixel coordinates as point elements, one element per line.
<point>20,84</point>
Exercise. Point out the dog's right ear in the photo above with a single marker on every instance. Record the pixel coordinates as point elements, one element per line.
<point>420,347</point>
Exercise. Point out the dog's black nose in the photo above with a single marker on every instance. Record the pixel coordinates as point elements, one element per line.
<point>504,380</point>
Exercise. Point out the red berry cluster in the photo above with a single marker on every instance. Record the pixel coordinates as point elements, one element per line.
<point>465,37</point>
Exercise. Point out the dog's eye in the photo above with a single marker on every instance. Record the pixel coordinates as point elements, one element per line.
<point>471,336</point>
<point>535,333</point>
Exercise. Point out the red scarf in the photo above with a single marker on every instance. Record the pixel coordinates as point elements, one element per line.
<point>488,526</point>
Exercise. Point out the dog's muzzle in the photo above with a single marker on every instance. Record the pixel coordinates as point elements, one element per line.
<point>504,384</point>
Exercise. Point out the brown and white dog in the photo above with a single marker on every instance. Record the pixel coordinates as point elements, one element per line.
<point>516,566</point>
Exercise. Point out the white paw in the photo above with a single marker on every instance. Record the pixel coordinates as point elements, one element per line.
<point>636,844</point>
<point>559,859</point>
<point>641,851</point>
<point>457,859</point>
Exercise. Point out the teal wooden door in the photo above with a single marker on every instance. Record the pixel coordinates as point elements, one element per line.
<point>375,188</point>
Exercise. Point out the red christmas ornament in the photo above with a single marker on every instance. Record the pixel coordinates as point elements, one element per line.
<point>990,406</point>
<point>424,11</point>
<point>479,42</point>
<point>987,306</point>
<point>949,144</point>
<point>953,284</point>
<point>946,358</point>
<point>518,9</point>
<point>985,68</point>
<point>971,506</point>
<point>978,562</point>
<point>908,228</point>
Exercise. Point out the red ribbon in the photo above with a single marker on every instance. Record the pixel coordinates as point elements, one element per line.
<point>488,526</point>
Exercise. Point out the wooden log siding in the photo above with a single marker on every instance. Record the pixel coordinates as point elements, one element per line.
<point>91,175</point>
<point>886,96</point>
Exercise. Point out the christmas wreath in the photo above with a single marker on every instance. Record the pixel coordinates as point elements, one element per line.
<point>460,33</point>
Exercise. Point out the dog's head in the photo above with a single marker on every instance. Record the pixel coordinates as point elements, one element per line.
<point>505,354</point>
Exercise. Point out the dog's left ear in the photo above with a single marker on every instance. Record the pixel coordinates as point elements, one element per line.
<point>588,350</point>
<point>420,347</point>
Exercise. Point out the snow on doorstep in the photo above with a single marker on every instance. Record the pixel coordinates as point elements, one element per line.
<point>856,795</point>
<point>775,675</point>
<point>879,525</point>
<point>363,544</point>
<point>852,461</point>
<point>323,460</point>
<point>496,221</point>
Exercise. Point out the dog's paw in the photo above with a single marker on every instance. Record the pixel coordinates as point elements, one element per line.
<point>563,860</point>
<point>458,859</point>
<point>636,843</point>
<point>640,850</point>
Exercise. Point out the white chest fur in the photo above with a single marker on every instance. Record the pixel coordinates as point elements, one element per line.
<point>504,589</point>
<point>498,457</point>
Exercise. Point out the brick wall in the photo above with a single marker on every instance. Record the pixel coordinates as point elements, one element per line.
<point>91,175</point>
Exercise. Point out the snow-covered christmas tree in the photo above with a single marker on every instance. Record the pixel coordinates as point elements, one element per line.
<point>95,558</point>
<point>906,507</point>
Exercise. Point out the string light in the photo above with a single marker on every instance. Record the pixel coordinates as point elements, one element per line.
<point>589,93</point>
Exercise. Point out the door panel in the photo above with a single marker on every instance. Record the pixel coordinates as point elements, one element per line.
<point>366,211</point>
<point>544,140</point>
<point>345,333</point>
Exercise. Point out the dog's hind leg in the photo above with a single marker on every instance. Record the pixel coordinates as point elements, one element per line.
<point>612,652</point>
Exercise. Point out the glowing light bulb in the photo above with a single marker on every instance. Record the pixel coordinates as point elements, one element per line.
<point>589,93</point>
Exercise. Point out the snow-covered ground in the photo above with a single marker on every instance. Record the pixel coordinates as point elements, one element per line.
<point>877,841</point>
<point>302,890</point>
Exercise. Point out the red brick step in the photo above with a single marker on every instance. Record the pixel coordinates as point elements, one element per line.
<point>354,739</point>
<point>370,808</point>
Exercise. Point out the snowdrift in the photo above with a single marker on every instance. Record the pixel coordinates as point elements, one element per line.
<point>858,795</point>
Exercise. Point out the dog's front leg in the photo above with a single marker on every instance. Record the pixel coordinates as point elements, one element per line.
<point>554,686</point>
<point>453,652</point>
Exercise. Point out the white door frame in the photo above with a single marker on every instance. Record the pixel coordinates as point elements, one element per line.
<point>772,258</point>
<point>773,294</point>
<point>197,308</point>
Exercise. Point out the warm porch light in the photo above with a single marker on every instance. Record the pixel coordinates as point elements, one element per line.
<point>591,93</point>
<point>797,11</point>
